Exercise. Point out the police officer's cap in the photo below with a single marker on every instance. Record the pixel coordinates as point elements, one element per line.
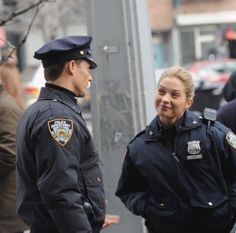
<point>65,49</point>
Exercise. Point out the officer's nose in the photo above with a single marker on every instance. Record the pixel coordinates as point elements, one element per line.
<point>166,98</point>
<point>90,78</point>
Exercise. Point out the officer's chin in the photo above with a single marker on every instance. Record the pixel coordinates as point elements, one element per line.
<point>81,94</point>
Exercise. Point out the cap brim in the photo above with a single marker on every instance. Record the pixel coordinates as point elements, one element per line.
<point>92,64</point>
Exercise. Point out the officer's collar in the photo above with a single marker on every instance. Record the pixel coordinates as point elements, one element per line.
<point>191,120</point>
<point>176,126</point>
<point>55,94</point>
<point>67,92</point>
<point>187,121</point>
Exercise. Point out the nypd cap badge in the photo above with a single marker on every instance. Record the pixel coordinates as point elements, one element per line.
<point>61,130</point>
<point>231,139</point>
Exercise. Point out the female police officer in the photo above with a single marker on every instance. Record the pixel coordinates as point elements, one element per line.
<point>170,176</point>
<point>59,181</point>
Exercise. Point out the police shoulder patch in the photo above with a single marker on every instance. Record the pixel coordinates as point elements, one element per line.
<point>231,139</point>
<point>61,130</point>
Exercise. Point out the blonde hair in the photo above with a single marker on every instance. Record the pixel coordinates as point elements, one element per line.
<point>183,75</point>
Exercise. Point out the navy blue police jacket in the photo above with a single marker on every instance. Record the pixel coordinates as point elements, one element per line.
<point>226,115</point>
<point>174,185</point>
<point>58,168</point>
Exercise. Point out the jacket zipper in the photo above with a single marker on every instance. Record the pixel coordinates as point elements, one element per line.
<point>174,152</point>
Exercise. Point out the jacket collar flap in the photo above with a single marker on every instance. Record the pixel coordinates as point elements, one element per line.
<point>155,129</point>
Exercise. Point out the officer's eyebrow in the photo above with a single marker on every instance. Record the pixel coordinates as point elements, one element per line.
<point>169,89</point>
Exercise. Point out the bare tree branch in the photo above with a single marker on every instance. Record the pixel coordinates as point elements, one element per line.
<point>13,15</point>
<point>22,11</point>
<point>29,28</point>
<point>50,20</point>
<point>12,51</point>
<point>14,48</point>
<point>7,42</point>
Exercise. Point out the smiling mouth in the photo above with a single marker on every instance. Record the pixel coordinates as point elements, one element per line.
<point>163,107</point>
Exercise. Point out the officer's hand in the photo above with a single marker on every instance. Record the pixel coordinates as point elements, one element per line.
<point>110,219</point>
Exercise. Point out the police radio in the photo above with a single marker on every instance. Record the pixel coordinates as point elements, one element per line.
<point>210,115</point>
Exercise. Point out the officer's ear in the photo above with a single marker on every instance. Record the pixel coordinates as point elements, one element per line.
<point>189,103</point>
<point>71,67</point>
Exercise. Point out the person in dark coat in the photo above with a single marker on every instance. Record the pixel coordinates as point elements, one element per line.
<point>170,175</point>
<point>227,112</point>
<point>59,180</point>
<point>227,115</point>
<point>9,116</point>
<point>229,89</point>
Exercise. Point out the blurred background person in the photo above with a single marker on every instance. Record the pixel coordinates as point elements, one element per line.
<point>9,115</point>
<point>10,76</point>
<point>229,89</point>
<point>227,112</point>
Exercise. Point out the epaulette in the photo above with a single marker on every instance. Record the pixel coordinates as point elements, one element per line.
<point>215,124</point>
<point>222,127</point>
<point>138,134</point>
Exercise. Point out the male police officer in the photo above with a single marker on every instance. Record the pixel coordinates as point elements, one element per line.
<point>59,181</point>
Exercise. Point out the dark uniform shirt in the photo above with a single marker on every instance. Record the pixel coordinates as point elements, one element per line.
<point>58,168</point>
<point>170,177</point>
<point>227,115</point>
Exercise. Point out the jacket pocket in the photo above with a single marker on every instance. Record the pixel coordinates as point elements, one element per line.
<point>210,208</point>
<point>164,214</point>
<point>208,200</point>
<point>93,176</point>
<point>94,191</point>
<point>162,209</point>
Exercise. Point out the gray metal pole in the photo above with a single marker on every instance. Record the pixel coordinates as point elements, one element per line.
<point>122,90</point>
<point>1,6</point>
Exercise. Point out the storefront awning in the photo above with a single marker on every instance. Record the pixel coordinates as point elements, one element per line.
<point>206,18</point>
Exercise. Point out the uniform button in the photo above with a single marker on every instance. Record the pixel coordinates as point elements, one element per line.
<point>210,203</point>
<point>194,122</point>
<point>162,204</point>
<point>98,179</point>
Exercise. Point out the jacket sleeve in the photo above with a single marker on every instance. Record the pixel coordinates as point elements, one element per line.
<point>231,154</point>
<point>220,116</point>
<point>133,188</point>
<point>57,181</point>
<point>8,123</point>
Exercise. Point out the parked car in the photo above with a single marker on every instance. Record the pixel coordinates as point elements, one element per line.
<point>31,89</point>
<point>213,75</point>
<point>213,71</point>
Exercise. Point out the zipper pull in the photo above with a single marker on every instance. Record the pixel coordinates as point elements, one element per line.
<point>175,157</point>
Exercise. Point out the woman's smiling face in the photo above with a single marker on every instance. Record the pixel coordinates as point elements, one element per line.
<point>171,100</point>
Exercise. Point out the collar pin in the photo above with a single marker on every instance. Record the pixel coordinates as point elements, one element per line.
<point>151,132</point>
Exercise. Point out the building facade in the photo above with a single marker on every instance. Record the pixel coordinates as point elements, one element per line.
<point>190,30</point>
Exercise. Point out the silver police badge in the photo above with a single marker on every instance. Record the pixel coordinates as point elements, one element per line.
<point>61,130</point>
<point>194,147</point>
